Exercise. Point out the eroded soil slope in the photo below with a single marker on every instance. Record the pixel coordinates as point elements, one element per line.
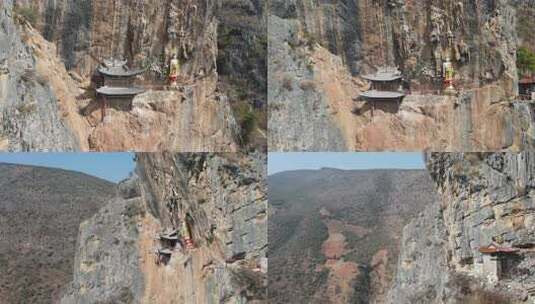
<point>335,235</point>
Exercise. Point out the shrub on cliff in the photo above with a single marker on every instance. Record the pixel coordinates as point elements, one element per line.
<point>525,61</point>
<point>248,124</point>
<point>28,13</point>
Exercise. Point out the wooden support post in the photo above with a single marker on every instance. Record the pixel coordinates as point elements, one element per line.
<point>103,105</point>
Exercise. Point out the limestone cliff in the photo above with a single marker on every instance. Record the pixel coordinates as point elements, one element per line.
<point>319,51</point>
<point>64,41</point>
<point>486,199</point>
<point>141,31</point>
<point>29,113</point>
<point>223,199</point>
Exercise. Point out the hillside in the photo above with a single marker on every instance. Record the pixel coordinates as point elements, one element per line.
<point>40,213</point>
<point>334,235</point>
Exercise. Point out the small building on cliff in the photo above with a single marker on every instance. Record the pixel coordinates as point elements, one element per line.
<point>526,88</point>
<point>114,83</point>
<point>385,87</point>
<point>497,261</point>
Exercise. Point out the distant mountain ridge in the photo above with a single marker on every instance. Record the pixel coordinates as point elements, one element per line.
<point>40,213</point>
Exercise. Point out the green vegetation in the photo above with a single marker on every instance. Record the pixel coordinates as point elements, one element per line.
<point>248,124</point>
<point>242,67</point>
<point>310,40</point>
<point>525,61</point>
<point>27,13</point>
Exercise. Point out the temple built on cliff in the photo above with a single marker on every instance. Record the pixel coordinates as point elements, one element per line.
<point>114,82</point>
<point>526,88</point>
<point>385,87</point>
<point>496,261</point>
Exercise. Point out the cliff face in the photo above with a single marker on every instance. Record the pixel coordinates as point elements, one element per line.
<point>242,65</point>
<point>47,88</point>
<point>29,112</point>
<point>320,50</point>
<point>222,197</point>
<point>486,198</point>
<point>299,116</point>
<point>479,37</point>
<point>188,120</point>
<point>141,31</point>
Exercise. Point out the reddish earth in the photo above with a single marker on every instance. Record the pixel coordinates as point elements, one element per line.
<point>379,276</point>
<point>341,273</point>
<point>334,246</point>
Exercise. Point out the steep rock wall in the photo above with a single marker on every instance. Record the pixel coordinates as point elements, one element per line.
<point>145,32</point>
<point>415,35</point>
<point>313,93</point>
<point>299,116</point>
<point>48,107</point>
<point>319,49</point>
<point>224,198</point>
<point>486,198</point>
<point>314,105</point>
<point>29,114</point>
<point>191,120</point>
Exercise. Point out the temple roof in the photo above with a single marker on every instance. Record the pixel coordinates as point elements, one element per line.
<point>164,251</point>
<point>169,233</point>
<point>384,74</point>
<point>527,80</point>
<point>495,249</point>
<point>116,91</point>
<point>373,94</point>
<point>117,68</point>
<point>169,237</point>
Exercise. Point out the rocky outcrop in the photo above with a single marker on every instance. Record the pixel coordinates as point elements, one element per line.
<point>107,263</point>
<point>300,118</point>
<point>29,112</point>
<point>318,52</point>
<point>185,120</point>
<point>486,199</point>
<point>476,120</point>
<point>222,197</point>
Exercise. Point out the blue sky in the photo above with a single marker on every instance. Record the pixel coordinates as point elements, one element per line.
<point>278,162</point>
<point>109,166</point>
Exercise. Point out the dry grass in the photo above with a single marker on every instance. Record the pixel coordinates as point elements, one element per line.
<point>471,292</point>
